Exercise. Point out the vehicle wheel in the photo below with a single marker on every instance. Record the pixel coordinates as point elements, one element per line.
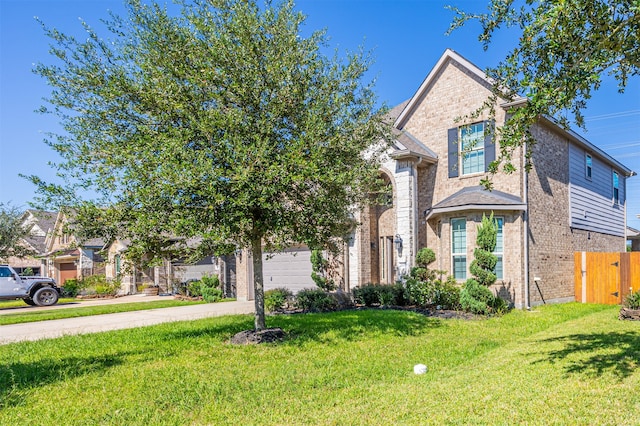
<point>45,296</point>
<point>29,301</point>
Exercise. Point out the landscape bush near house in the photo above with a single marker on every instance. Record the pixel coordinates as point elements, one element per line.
<point>207,287</point>
<point>426,287</point>
<point>315,300</point>
<point>475,296</point>
<point>632,301</point>
<point>381,294</point>
<point>95,285</point>
<point>277,299</point>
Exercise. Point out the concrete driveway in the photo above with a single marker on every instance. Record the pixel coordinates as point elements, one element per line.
<point>97,323</point>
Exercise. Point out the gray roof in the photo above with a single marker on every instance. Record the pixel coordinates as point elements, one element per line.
<point>477,198</point>
<point>632,233</point>
<point>406,145</point>
<point>45,221</point>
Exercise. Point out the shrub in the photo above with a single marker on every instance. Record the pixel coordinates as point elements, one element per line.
<point>383,294</point>
<point>447,294</point>
<point>315,300</point>
<point>71,288</point>
<point>107,288</point>
<point>211,294</point>
<point>475,298</point>
<point>366,295</point>
<point>276,299</point>
<point>194,288</point>
<point>211,281</point>
<point>424,257</point>
<point>343,300</point>
<point>632,301</point>
<point>478,299</point>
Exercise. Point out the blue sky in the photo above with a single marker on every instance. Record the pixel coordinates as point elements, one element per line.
<point>406,36</point>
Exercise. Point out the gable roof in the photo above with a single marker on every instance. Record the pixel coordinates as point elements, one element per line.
<point>477,198</point>
<point>448,56</point>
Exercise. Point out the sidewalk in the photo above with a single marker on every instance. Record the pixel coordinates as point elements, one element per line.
<point>97,323</point>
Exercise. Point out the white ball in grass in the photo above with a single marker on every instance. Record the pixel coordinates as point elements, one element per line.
<point>419,369</point>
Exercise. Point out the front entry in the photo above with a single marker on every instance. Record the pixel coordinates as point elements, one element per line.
<point>386,260</point>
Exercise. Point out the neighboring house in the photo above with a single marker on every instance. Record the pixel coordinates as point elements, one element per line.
<point>68,257</point>
<point>40,224</point>
<point>168,275</point>
<point>573,199</point>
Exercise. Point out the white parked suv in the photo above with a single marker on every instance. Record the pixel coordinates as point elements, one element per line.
<point>38,291</point>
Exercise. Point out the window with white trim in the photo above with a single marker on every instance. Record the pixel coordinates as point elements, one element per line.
<point>472,148</point>
<point>588,166</point>
<point>499,250</point>
<point>459,248</point>
<point>616,187</point>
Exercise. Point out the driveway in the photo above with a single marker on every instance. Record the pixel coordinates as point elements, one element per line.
<point>98,323</point>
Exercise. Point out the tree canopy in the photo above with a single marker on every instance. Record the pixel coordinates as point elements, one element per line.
<point>564,50</point>
<point>13,233</point>
<point>223,125</point>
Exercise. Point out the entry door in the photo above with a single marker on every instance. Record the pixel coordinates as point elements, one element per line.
<point>386,260</point>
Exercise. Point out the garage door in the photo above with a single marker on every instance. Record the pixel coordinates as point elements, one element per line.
<point>290,269</point>
<point>67,271</point>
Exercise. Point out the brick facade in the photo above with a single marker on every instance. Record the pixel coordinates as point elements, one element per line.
<point>456,88</point>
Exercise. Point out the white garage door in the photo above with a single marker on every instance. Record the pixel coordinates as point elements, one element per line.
<point>290,269</point>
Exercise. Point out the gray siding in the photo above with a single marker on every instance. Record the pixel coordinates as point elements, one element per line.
<point>592,206</point>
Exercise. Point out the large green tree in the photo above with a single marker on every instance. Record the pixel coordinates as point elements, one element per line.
<point>222,124</point>
<point>564,50</point>
<point>13,233</point>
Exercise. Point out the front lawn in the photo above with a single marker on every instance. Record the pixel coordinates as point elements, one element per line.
<point>562,364</point>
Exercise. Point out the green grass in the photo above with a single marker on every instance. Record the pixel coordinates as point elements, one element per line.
<point>33,314</point>
<point>8,304</point>
<point>562,364</point>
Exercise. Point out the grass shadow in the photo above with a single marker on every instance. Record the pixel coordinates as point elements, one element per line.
<point>353,325</point>
<point>347,325</point>
<point>596,354</point>
<point>18,377</point>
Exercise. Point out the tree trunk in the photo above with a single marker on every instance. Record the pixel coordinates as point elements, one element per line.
<point>258,283</point>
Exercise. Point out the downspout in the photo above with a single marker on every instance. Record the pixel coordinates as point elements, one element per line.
<point>525,191</point>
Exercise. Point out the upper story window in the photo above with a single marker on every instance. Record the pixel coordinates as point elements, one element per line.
<point>588,166</point>
<point>472,148</point>
<point>616,187</point>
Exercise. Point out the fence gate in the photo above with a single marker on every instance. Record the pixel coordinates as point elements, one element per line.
<point>606,277</point>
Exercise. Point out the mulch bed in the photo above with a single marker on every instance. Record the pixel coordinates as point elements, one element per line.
<point>253,337</point>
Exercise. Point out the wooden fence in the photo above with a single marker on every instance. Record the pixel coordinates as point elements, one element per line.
<point>606,277</point>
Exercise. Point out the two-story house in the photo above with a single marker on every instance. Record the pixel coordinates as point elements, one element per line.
<point>40,224</point>
<point>69,257</point>
<point>573,198</point>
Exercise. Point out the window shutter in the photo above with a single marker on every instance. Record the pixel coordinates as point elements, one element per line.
<point>489,146</point>
<point>452,139</point>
